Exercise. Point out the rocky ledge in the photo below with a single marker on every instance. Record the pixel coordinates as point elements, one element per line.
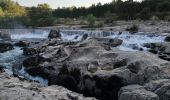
<point>95,68</point>
<point>11,88</point>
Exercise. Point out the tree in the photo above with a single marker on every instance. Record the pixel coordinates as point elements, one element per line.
<point>109,17</point>
<point>1,12</point>
<point>40,16</point>
<point>12,9</point>
<point>164,6</point>
<point>91,20</point>
<point>145,13</point>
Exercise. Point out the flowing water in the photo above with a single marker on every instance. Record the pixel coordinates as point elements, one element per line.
<point>131,42</point>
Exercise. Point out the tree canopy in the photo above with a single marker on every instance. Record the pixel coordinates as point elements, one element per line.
<point>43,15</point>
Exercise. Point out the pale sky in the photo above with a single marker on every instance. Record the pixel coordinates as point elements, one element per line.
<point>61,3</point>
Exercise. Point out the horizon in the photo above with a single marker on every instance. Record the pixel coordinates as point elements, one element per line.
<point>54,4</point>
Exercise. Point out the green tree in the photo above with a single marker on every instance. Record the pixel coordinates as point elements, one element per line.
<point>12,9</point>
<point>109,17</point>
<point>164,6</point>
<point>1,12</point>
<point>91,20</point>
<point>40,16</point>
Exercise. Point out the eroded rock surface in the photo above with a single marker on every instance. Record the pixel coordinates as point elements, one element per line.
<point>162,49</point>
<point>93,67</point>
<point>5,47</point>
<point>12,88</point>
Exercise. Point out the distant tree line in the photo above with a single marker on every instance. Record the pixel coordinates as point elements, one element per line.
<point>124,10</point>
<point>12,14</point>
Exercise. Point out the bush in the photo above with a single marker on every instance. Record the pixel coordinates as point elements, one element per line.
<point>91,20</point>
<point>133,29</point>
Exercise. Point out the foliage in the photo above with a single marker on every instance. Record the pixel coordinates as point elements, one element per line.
<point>43,15</point>
<point>110,17</point>
<point>12,9</point>
<point>1,12</point>
<point>40,16</point>
<point>91,20</point>
<point>133,28</point>
<point>125,10</point>
<point>10,14</point>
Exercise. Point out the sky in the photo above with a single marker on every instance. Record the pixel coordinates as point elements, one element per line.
<point>61,3</point>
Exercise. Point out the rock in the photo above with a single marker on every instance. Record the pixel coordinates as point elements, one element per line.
<point>84,37</point>
<point>161,49</point>
<point>5,47</point>
<point>111,42</point>
<point>104,85</point>
<point>160,87</point>
<point>91,67</point>
<point>136,92</point>
<point>132,29</point>
<point>76,37</point>
<point>167,39</point>
<point>33,61</point>
<point>22,43</point>
<point>54,34</point>
<point>1,69</point>
<point>5,36</point>
<point>12,88</point>
<point>30,51</point>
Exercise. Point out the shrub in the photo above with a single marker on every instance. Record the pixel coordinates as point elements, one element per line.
<point>133,28</point>
<point>91,20</point>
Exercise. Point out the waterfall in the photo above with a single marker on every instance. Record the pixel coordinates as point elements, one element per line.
<point>18,34</point>
<point>131,42</point>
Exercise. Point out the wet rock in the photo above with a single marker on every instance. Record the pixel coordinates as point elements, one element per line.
<point>111,42</point>
<point>22,43</point>
<point>76,37</point>
<point>161,49</point>
<point>84,37</point>
<point>132,29</point>
<point>167,39</point>
<point>30,51</point>
<point>54,34</point>
<point>5,36</point>
<point>136,92</point>
<point>33,61</point>
<point>5,47</point>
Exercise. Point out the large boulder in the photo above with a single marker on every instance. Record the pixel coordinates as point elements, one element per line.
<point>160,87</point>
<point>136,92</point>
<point>4,35</point>
<point>54,34</point>
<point>11,88</point>
<point>5,47</point>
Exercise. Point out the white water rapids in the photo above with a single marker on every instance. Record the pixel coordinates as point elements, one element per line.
<point>131,42</point>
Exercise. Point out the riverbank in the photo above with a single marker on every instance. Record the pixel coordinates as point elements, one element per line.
<point>144,26</point>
